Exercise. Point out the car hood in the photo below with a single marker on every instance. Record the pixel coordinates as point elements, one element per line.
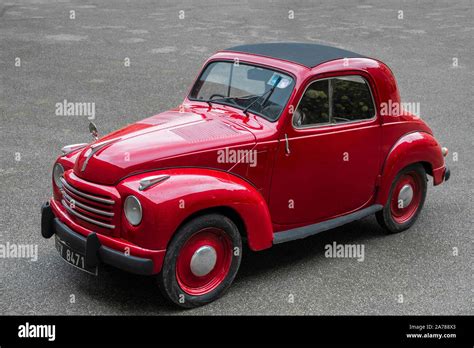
<point>173,138</point>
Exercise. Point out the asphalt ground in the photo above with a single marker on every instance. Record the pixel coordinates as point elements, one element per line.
<point>82,60</point>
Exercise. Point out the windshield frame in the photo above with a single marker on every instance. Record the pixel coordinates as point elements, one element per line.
<point>245,62</point>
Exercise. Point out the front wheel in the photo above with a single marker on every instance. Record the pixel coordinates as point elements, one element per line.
<point>201,261</point>
<point>406,199</point>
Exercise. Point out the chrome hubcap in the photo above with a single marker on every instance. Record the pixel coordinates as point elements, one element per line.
<point>405,195</point>
<point>203,260</point>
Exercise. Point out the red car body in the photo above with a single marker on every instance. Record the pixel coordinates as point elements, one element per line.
<point>181,146</point>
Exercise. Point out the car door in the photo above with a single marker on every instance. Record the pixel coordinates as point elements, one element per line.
<point>328,159</point>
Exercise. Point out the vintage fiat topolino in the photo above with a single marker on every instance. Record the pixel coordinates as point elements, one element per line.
<point>274,142</point>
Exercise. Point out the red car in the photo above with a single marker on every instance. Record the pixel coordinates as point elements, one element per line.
<point>274,142</point>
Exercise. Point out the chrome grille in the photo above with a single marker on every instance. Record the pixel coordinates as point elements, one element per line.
<point>85,195</point>
<point>72,201</point>
<point>87,207</point>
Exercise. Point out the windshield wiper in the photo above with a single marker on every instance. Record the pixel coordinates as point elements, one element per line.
<point>222,99</point>
<point>269,92</point>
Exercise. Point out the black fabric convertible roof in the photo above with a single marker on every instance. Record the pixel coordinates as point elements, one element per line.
<point>305,54</point>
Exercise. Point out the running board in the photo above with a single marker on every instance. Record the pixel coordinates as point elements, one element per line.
<point>306,231</point>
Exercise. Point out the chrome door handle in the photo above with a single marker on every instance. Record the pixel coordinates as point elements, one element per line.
<point>287,145</point>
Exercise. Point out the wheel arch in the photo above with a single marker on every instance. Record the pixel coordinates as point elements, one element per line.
<point>428,167</point>
<point>191,192</point>
<point>226,211</point>
<point>412,148</point>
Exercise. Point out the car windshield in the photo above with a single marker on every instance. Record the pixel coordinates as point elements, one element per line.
<point>262,91</point>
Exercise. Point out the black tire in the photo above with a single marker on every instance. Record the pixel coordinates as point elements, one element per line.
<point>386,218</point>
<point>167,279</point>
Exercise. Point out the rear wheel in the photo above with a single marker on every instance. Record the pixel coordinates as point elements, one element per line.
<point>406,199</point>
<point>201,261</point>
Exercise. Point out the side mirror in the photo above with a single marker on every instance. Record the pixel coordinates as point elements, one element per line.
<point>93,130</point>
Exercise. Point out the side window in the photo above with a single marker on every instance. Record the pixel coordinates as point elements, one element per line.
<point>336,100</point>
<point>314,105</point>
<point>352,100</point>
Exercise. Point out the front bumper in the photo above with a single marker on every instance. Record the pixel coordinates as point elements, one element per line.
<point>92,246</point>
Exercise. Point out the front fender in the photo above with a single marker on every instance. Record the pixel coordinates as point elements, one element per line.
<point>411,148</point>
<point>191,190</point>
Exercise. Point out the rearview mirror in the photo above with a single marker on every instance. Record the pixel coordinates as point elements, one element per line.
<point>259,74</point>
<point>93,130</point>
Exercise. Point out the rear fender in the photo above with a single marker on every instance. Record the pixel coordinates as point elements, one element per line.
<point>411,148</point>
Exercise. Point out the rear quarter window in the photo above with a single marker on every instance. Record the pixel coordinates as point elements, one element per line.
<point>335,100</point>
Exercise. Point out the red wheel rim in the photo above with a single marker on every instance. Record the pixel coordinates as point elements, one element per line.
<point>207,244</point>
<point>403,205</point>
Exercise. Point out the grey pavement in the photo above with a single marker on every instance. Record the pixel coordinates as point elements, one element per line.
<point>82,59</point>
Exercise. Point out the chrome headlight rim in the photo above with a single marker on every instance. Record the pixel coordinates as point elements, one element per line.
<point>133,202</point>
<point>58,172</point>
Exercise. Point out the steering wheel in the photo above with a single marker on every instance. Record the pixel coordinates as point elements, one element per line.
<point>223,97</point>
<point>216,95</point>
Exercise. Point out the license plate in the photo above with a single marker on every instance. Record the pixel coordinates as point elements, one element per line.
<point>73,257</point>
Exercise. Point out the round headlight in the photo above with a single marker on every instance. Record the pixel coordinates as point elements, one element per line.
<point>58,172</point>
<point>133,210</point>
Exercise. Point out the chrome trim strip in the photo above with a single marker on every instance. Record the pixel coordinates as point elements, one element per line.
<point>93,149</point>
<point>151,180</point>
<point>73,147</point>
<point>85,218</point>
<point>85,195</point>
<point>69,199</point>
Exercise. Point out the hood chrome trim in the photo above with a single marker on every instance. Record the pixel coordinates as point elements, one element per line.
<point>149,181</point>
<point>73,147</point>
<point>93,149</point>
